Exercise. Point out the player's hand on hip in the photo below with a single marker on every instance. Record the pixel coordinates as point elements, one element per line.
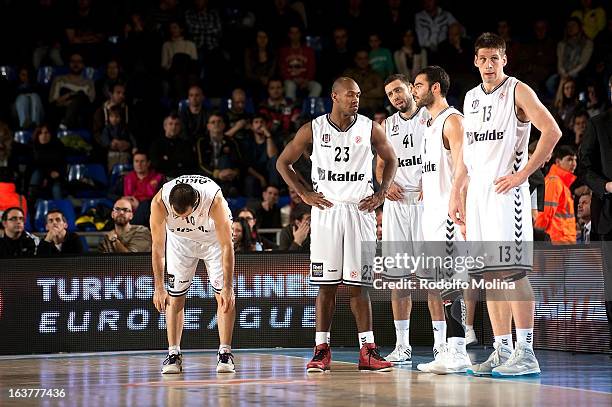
<point>372,202</point>
<point>228,299</point>
<point>316,199</point>
<point>160,299</point>
<point>395,192</point>
<point>506,183</point>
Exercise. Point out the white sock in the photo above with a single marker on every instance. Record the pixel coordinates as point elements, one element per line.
<point>365,337</point>
<point>321,338</point>
<point>439,330</point>
<point>402,332</point>
<point>525,336</point>
<point>457,343</point>
<point>469,328</point>
<point>505,340</point>
<point>225,348</point>
<point>174,350</point>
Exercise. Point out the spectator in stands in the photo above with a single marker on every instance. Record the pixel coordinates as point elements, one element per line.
<point>16,242</point>
<point>558,218</point>
<point>296,235</point>
<point>573,53</point>
<point>194,116</point>
<point>117,138</point>
<point>298,67</point>
<point>336,59</point>
<point>278,19</point>
<point>393,22</point>
<point>117,99</point>
<point>456,54</point>
<point>294,200</point>
<point>596,101</point>
<point>370,83</point>
<point>584,217</point>
<point>143,182</point>
<point>239,119</point>
<point>176,44</point>
<point>593,19</point>
<point>139,47</point>
<point>431,25</point>
<point>381,60</point>
<point>85,31</point>
<point>262,243</point>
<point>219,156</point>
<point>49,170</point>
<point>241,236</point>
<point>259,152</point>
<point>125,237</point>
<point>171,155</point>
<point>6,145</point>
<point>566,102</point>
<point>579,124</point>
<point>281,112</point>
<point>267,211</point>
<point>410,58</point>
<point>8,192</point>
<point>539,59</point>
<point>260,62</point>
<point>46,33</point>
<point>513,47</point>
<point>113,75</point>
<point>536,185</point>
<point>71,95</point>
<point>28,105</point>
<point>159,16</point>
<point>58,239</point>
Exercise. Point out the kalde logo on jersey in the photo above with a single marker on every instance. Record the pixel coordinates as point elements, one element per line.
<point>339,176</point>
<point>408,162</point>
<point>494,135</point>
<point>326,138</point>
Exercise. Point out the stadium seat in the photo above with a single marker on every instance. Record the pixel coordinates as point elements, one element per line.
<point>8,73</point>
<point>236,204</point>
<point>23,137</point>
<point>184,104</point>
<point>119,170</point>
<point>83,133</point>
<point>86,204</point>
<point>43,206</point>
<point>46,74</point>
<point>283,200</point>
<point>88,180</point>
<point>249,106</point>
<point>316,106</point>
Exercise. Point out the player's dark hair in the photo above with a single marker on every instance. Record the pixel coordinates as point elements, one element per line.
<point>397,77</point>
<point>55,210</point>
<point>182,197</point>
<point>490,40</point>
<point>564,151</point>
<point>435,73</point>
<point>7,210</point>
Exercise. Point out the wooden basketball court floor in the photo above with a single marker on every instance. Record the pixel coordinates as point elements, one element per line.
<point>277,377</point>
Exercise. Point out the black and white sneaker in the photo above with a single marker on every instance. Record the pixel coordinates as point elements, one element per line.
<point>173,364</point>
<point>225,363</point>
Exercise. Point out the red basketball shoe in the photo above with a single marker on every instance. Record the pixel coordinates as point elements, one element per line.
<point>321,360</point>
<point>370,359</point>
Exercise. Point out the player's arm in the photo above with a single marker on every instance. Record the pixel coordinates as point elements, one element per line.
<point>384,150</point>
<point>529,108</point>
<point>453,133</point>
<point>395,192</point>
<point>290,155</point>
<point>220,214</point>
<point>158,235</point>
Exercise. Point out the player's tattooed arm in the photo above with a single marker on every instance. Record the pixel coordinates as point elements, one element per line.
<point>384,150</point>
<point>158,235</point>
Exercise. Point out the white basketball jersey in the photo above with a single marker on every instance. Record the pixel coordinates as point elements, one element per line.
<point>496,141</point>
<point>198,226</point>
<point>437,167</point>
<point>342,160</point>
<point>406,137</point>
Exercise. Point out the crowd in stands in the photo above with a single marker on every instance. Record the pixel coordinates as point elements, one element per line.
<point>102,102</point>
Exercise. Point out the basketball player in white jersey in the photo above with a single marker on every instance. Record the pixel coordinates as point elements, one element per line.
<point>342,218</point>
<point>441,151</point>
<point>497,215</point>
<point>190,220</point>
<point>403,208</point>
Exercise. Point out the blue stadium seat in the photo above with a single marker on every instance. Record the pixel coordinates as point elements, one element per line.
<point>119,170</point>
<point>83,133</point>
<point>43,206</point>
<point>316,106</point>
<point>249,106</point>
<point>88,180</point>
<point>184,104</point>
<point>86,204</point>
<point>283,200</point>
<point>46,74</point>
<point>8,73</point>
<point>236,204</point>
<point>23,137</point>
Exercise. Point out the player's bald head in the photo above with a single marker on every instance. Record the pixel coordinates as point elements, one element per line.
<point>344,83</point>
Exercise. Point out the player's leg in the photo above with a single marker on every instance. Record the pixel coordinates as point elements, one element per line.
<point>470,296</point>
<point>401,304</point>
<point>438,322</point>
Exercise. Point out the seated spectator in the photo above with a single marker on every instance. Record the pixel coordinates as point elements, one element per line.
<point>267,211</point>
<point>241,236</point>
<point>49,172</point>
<point>16,242</point>
<point>578,123</point>
<point>171,155</point>
<point>195,117</point>
<point>125,237</point>
<point>58,239</point>
<point>558,219</point>
<point>239,120</point>
<point>219,156</point>
<point>143,182</point>
<point>71,95</point>
<point>381,60</point>
<point>113,75</point>
<point>596,100</point>
<point>259,153</point>
<point>176,44</point>
<point>410,58</point>
<point>117,139</point>
<point>294,200</point>
<point>456,54</point>
<point>296,235</point>
<point>102,114</point>
<point>298,66</point>
<point>593,19</point>
<point>539,59</point>
<point>370,83</point>
<point>282,113</point>
<point>565,103</point>
<point>337,58</point>
<point>28,105</point>
<point>8,192</point>
<point>584,217</point>
<point>260,62</point>
<point>431,25</point>
<point>262,243</point>
<point>85,30</point>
